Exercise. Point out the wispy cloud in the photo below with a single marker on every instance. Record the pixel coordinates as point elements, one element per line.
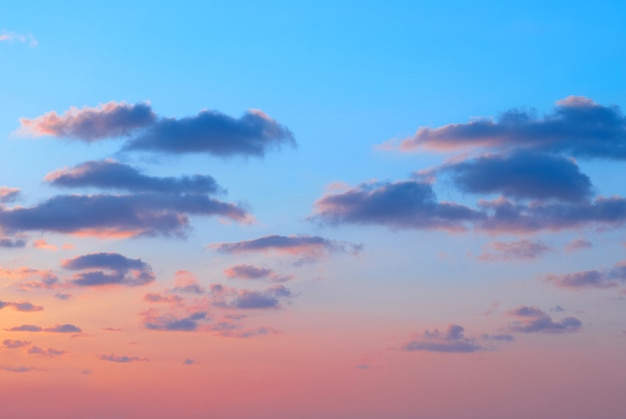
<point>9,36</point>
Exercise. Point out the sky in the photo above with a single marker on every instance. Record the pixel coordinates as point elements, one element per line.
<point>340,210</point>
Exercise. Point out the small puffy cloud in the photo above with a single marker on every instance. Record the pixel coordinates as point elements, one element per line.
<point>255,272</point>
<point>308,247</point>
<point>215,133</point>
<point>227,297</point>
<point>522,175</point>
<point>186,282</point>
<point>577,244</point>
<point>36,350</point>
<point>15,343</point>
<point>104,215</point>
<point>595,278</point>
<point>21,306</point>
<point>8,194</point>
<point>169,322</point>
<point>451,340</point>
<point>59,328</point>
<point>110,174</point>
<point>120,358</point>
<point>189,361</point>
<point>517,250</point>
<point>120,270</point>
<point>402,204</point>
<point>534,320</point>
<point>577,125</point>
<point>113,119</point>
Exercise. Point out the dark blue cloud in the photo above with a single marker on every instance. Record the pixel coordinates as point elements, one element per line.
<point>110,174</point>
<point>121,215</point>
<point>577,126</point>
<point>120,270</point>
<point>522,175</point>
<point>91,124</point>
<point>403,204</point>
<point>214,133</point>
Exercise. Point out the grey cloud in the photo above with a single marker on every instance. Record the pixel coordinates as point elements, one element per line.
<point>452,340</point>
<point>534,320</point>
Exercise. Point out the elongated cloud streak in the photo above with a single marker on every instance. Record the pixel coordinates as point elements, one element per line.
<point>209,132</point>
<point>577,125</point>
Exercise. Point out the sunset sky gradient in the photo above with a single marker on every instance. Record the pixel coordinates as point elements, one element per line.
<point>338,210</point>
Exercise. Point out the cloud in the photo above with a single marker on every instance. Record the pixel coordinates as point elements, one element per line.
<point>402,204</point>
<point>120,270</point>
<point>110,174</point>
<point>309,247</point>
<point>8,194</point>
<point>20,369</point>
<point>255,272</point>
<point>117,215</point>
<point>91,124</point>
<point>227,297</point>
<point>153,297</point>
<point>170,322</point>
<point>521,175</point>
<point>577,125</point>
<point>59,328</point>
<point>8,36</point>
<point>209,132</point>
<point>14,343</point>
<point>505,216</point>
<point>499,338</point>
<point>36,350</point>
<point>214,133</point>
<point>42,244</point>
<point>21,306</point>
<point>189,361</point>
<point>452,340</point>
<point>534,320</point>
<point>522,249</point>
<point>46,279</point>
<point>595,278</point>
<point>577,244</point>
<point>10,243</point>
<point>186,282</point>
<point>120,358</point>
